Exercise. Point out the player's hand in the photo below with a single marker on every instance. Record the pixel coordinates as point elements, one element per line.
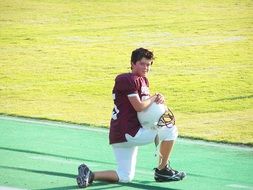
<point>159,98</point>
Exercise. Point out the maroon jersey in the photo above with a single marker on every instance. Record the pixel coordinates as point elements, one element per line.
<point>124,117</point>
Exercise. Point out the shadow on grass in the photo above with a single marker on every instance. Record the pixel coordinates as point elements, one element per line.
<point>209,177</point>
<point>105,185</point>
<point>40,172</point>
<point>54,155</point>
<point>61,188</point>
<point>95,185</point>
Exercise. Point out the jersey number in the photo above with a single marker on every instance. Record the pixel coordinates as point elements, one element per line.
<point>115,110</point>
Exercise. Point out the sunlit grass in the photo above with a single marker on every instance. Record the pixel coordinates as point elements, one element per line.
<point>59,60</point>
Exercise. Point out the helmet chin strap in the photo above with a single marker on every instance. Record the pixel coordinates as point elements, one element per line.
<point>157,141</point>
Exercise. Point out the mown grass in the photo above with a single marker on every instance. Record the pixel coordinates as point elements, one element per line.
<point>59,60</point>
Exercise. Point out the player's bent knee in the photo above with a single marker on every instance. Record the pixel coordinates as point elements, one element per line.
<point>124,178</point>
<point>168,133</point>
<point>174,134</point>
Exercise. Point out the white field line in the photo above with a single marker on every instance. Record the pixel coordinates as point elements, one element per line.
<point>9,188</point>
<point>85,128</point>
<point>54,124</point>
<point>59,160</point>
<point>238,186</point>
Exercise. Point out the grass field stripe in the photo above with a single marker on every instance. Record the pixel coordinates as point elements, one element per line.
<point>82,127</point>
<point>238,186</point>
<point>194,41</point>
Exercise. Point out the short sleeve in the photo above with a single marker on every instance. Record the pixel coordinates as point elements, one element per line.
<point>126,85</point>
<point>146,81</point>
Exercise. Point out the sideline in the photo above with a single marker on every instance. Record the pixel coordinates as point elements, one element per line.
<point>103,130</point>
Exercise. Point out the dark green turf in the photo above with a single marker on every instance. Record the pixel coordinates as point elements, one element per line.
<point>45,155</point>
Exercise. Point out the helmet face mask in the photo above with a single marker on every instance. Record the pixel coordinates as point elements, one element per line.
<point>166,119</point>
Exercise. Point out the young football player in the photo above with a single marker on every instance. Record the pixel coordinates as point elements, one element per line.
<point>131,95</point>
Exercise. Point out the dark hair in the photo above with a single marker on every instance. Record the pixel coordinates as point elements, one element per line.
<point>139,53</point>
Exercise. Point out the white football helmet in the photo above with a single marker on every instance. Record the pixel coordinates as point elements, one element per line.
<point>156,115</point>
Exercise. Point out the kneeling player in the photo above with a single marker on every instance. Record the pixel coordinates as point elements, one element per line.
<point>127,132</point>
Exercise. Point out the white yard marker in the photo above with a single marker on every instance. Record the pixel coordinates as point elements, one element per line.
<point>238,186</point>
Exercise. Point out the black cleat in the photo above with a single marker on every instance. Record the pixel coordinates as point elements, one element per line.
<point>85,176</point>
<point>168,174</point>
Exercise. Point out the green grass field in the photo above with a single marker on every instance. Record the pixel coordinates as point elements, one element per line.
<point>44,155</point>
<point>59,60</point>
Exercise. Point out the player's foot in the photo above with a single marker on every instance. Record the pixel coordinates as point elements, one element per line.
<point>168,174</point>
<point>85,176</point>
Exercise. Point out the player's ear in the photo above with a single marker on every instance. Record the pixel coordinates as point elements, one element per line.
<point>132,65</point>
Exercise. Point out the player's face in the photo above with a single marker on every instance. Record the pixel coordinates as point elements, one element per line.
<point>142,67</point>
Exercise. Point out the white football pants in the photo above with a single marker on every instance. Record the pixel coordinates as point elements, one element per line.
<point>126,152</point>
